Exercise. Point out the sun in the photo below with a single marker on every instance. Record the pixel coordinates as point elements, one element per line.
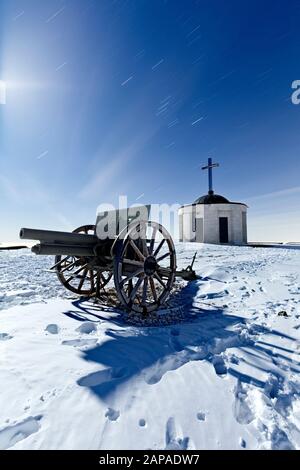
<point>2,92</point>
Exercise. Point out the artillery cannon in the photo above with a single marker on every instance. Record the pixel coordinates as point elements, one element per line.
<point>140,258</point>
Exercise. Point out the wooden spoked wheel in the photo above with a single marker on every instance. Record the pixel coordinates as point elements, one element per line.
<point>145,267</point>
<point>77,274</point>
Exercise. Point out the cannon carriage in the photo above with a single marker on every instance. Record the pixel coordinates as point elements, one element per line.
<point>138,255</point>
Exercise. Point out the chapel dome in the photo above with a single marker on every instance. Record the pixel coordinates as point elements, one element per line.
<point>212,199</point>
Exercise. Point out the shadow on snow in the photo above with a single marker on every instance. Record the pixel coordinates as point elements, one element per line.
<point>148,353</point>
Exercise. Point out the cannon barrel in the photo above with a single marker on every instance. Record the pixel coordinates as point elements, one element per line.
<point>52,237</point>
<point>62,249</point>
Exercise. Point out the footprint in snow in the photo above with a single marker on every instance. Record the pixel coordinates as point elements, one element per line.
<point>5,337</point>
<point>14,433</point>
<point>142,423</point>
<point>234,359</point>
<point>79,343</point>
<point>272,386</point>
<point>242,411</point>
<point>157,371</point>
<point>243,443</point>
<point>214,295</point>
<point>246,295</point>
<point>103,376</point>
<point>48,395</point>
<point>173,441</point>
<point>112,415</point>
<point>87,327</point>
<point>201,416</point>
<point>53,329</point>
<point>280,440</point>
<point>219,365</point>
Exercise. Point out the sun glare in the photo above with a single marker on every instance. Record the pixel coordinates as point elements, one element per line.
<point>2,92</point>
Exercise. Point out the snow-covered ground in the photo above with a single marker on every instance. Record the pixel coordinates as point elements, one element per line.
<point>76,376</point>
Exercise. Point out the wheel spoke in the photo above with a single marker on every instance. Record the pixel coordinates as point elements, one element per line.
<point>98,284</point>
<point>138,291</point>
<point>137,250</point>
<point>135,289</point>
<point>157,276</point>
<point>133,262</point>
<point>152,240</point>
<point>130,287</point>
<point>69,266</point>
<point>163,257</point>
<point>159,248</point>
<point>60,262</point>
<point>104,281</point>
<point>145,247</point>
<point>75,274</point>
<point>152,285</point>
<point>131,276</point>
<point>92,276</point>
<point>145,290</point>
<point>83,279</point>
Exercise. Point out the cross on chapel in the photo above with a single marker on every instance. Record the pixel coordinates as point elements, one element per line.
<point>209,167</point>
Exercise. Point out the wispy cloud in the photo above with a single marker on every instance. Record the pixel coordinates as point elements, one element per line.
<point>61,66</point>
<point>113,172</point>
<point>157,64</point>
<point>120,146</point>
<point>126,81</point>
<point>173,123</point>
<point>223,77</point>
<point>58,12</point>
<point>171,144</point>
<point>197,120</point>
<point>103,178</point>
<point>193,31</point>
<point>275,194</point>
<point>140,196</point>
<point>42,155</point>
<point>19,15</point>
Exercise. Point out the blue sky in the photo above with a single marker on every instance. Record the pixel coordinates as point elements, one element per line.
<point>130,97</point>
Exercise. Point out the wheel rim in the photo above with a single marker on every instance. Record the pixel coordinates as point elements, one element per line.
<point>145,268</point>
<point>76,275</point>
